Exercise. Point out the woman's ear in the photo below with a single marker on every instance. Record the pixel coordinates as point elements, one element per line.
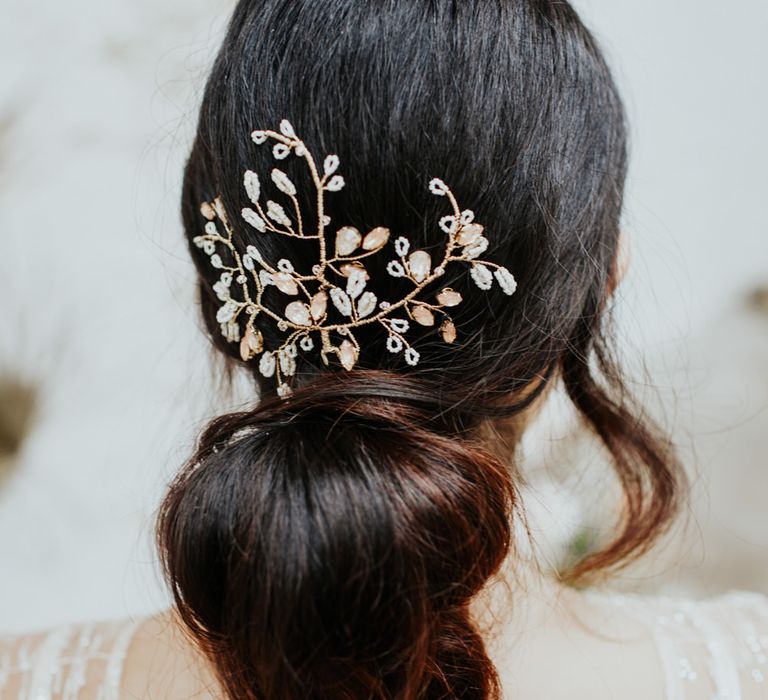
<point>621,265</point>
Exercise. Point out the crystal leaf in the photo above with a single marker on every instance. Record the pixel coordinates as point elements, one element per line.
<point>376,238</point>
<point>402,246</point>
<point>355,282</point>
<point>221,212</point>
<point>231,331</point>
<point>448,331</point>
<point>280,151</point>
<point>449,297</point>
<point>341,301</point>
<point>438,187</point>
<point>254,253</point>
<point>227,311</point>
<point>347,240</point>
<point>277,213</point>
<point>448,224</point>
<point>318,305</point>
<point>347,354</point>
<point>285,283</point>
<point>254,219</point>
<point>348,268</point>
<point>335,183</point>
<point>221,291</point>
<point>298,312</point>
<point>283,182</point>
<point>207,211</point>
<point>477,248</point>
<point>423,315</point>
<point>419,263</point>
<point>469,234</point>
<point>411,356</point>
<point>482,276</point>
<point>252,185</point>
<point>267,364</point>
<point>251,344</point>
<point>286,129</point>
<point>331,164</point>
<point>506,280</point>
<point>287,362</point>
<point>366,305</point>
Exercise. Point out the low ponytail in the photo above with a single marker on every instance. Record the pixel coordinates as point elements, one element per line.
<point>328,545</point>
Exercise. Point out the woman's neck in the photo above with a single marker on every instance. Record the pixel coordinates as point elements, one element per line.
<point>520,596</point>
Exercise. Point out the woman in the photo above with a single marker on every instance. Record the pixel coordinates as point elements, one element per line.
<point>405,220</point>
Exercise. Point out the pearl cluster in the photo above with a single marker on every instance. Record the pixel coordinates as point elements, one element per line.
<point>339,279</point>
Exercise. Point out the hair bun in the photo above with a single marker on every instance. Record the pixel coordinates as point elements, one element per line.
<point>327,542</point>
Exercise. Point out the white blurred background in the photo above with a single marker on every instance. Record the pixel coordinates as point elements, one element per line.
<point>97,107</point>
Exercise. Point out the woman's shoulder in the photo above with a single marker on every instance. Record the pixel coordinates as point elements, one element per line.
<point>733,610</point>
<point>65,661</point>
<point>146,657</point>
<point>715,647</point>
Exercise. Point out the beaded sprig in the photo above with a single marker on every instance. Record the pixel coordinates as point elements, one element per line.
<point>339,277</point>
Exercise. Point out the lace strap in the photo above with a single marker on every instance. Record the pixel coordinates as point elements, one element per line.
<point>722,664</point>
<point>116,661</point>
<point>64,662</point>
<point>715,649</point>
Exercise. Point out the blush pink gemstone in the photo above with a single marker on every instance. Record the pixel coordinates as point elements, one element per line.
<point>251,344</point>
<point>208,211</point>
<point>318,305</point>
<point>469,234</point>
<point>297,312</point>
<point>346,268</point>
<point>347,240</point>
<point>376,238</point>
<point>449,297</point>
<point>423,316</point>
<point>448,331</point>
<point>285,283</point>
<point>419,264</point>
<point>347,354</point>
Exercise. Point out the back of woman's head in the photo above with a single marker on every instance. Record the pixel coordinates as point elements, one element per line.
<point>328,544</point>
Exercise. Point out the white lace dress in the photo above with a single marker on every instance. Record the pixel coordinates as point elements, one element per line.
<point>715,649</point>
<point>66,663</point>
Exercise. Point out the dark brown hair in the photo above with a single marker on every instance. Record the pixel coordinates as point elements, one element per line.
<point>328,545</point>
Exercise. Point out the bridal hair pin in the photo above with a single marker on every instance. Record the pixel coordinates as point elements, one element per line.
<point>346,290</point>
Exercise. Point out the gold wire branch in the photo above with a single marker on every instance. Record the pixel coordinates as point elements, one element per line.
<point>311,294</point>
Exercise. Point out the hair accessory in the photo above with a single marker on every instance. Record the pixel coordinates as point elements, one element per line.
<point>339,278</point>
